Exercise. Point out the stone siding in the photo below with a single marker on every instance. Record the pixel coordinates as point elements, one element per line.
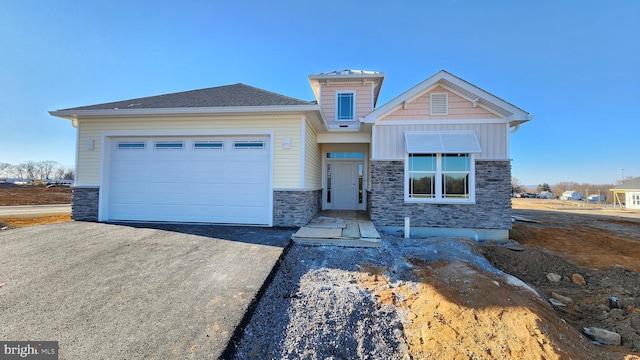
<point>84,204</point>
<point>295,207</point>
<point>492,209</point>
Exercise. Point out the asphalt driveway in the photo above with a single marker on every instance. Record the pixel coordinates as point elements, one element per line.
<point>130,291</point>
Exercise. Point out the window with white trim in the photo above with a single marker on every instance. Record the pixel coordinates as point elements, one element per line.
<point>248,144</point>
<point>127,145</point>
<point>440,178</point>
<point>345,105</point>
<point>169,145</point>
<point>205,144</point>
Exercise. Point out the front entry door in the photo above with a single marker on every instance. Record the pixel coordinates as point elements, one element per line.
<point>345,186</point>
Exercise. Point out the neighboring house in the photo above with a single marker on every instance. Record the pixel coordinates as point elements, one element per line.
<point>437,153</point>
<point>571,195</point>
<point>595,198</point>
<point>545,195</point>
<point>631,191</point>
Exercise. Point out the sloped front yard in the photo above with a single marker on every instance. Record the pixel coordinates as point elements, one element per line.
<point>442,298</point>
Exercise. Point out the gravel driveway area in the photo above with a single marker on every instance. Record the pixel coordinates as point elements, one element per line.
<point>107,291</point>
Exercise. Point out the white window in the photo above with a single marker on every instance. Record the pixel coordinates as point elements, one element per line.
<point>174,145</point>
<point>208,144</point>
<point>248,144</point>
<point>440,178</point>
<point>131,145</point>
<point>345,105</point>
<point>439,104</point>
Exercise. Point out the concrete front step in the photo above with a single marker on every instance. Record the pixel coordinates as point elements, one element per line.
<point>338,232</point>
<point>346,242</point>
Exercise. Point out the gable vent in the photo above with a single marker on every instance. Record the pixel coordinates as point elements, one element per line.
<point>439,104</point>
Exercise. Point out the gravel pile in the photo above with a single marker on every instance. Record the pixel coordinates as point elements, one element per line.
<point>314,308</point>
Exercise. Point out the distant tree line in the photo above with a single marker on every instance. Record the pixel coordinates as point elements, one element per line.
<point>34,170</point>
<point>585,188</point>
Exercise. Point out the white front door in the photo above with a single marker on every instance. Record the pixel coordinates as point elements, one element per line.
<point>345,186</point>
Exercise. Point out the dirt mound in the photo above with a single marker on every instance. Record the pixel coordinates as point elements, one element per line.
<point>13,195</point>
<point>456,311</point>
<point>590,305</point>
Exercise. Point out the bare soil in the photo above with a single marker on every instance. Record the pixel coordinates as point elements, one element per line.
<point>16,195</point>
<point>600,244</point>
<point>13,195</point>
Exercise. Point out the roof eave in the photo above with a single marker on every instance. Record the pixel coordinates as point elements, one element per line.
<point>346,76</point>
<point>74,114</point>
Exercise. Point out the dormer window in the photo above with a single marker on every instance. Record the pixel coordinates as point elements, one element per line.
<point>345,105</point>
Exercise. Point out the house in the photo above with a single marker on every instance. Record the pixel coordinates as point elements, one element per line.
<point>571,195</point>
<point>631,191</point>
<point>437,153</point>
<point>595,198</point>
<point>545,195</point>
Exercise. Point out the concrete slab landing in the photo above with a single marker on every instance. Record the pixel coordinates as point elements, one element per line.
<point>339,228</point>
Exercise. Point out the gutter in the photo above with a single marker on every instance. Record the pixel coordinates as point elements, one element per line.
<point>72,114</point>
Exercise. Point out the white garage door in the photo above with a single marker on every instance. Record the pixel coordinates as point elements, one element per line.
<point>212,179</point>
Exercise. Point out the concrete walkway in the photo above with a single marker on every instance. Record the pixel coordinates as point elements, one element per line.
<point>34,210</point>
<point>339,228</point>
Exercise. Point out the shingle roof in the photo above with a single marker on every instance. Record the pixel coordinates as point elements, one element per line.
<point>220,96</point>
<point>629,185</point>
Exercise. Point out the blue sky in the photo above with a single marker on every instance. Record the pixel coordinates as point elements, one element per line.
<point>575,65</point>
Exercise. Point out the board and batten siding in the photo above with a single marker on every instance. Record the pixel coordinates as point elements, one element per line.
<point>286,162</point>
<point>459,108</point>
<point>313,159</point>
<point>493,139</point>
<point>364,99</point>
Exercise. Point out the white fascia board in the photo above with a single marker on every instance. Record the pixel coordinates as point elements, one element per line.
<point>73,114</point>
<point>347,76</point>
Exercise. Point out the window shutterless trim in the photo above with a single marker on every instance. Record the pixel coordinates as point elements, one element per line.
<point>248,144</point>
<point>201,144</point>
<point>169,145</point>
<point>339,115</point>
<point>438,182</point>
<point>131,145</point>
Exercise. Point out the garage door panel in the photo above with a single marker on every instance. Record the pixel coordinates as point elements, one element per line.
<point>161,199</point>
<point>217,185</point>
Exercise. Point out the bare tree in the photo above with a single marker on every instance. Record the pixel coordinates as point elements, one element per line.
<point>69,175</point>
<point>29,169</point>
<point>59,172</point>
<point>516,186</point>
<point>6,170</point>
<point>18,171</point>
<point>44,169</point>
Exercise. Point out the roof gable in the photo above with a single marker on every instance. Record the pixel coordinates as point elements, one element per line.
<point>475,95</point>
<point>220,96</point>
<point>419,109</point>
<point>633,184</point>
